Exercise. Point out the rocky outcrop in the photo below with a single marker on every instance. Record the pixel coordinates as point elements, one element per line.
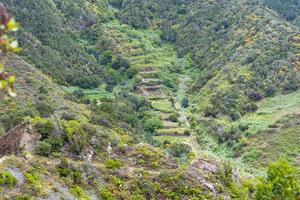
<point>22,137</point>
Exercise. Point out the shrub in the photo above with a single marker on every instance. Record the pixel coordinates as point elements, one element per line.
<point>270,91</point>
<point>185,102</point>
<point>43,148</point>
<point>43,126</point>
<point>211,112</point>
<point>152,124</point>
<point>44,108</point>
<point>68,116</point>
<point>225,173</point>
<point>8,180</point>
<point>179,150</point>
<point>254,95</point>
<point>120,62</point>
<point>114,164</point>
<point>173,117</point>
<point>63,168</point>
<point>78,93</point>
<point>106,58</point>
<point>79,193</point>
<point>76,136</point>
<point>235,115</point>
<point>281,183</point>
<point>250,107</point>
<point>33,182</point>
<point>48,146</point>
<point>106,195</point>
<point>24,197</point>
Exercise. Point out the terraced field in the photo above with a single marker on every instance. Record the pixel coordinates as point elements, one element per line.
<point>168,106</point>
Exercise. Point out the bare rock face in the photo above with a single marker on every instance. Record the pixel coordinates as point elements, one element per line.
<point>22,137</point>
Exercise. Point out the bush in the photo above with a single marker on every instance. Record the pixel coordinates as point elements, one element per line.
<point>78,93</point>
<point>8,180</point>
<point>48,146</point>
<point>211,112</point>
<point>254,95</point>
<point>106,58</point>
<point>270,91</point>
<point>179,150</point>
<point>43,148</point>
<point>114,164</point>
<point>44,108</point>
<point>250,107</point>
<point>173,117</point>
<point>106,195</point>
<point>152,124</point>
<point>76,136</point>
<point>225,173</point>
<point>281,183</point>
<point>24,197</point>
<point>235,115</point>
<point>43,126</point>
<point>68,116</point>
<point>120,62</point>
<point>185,102</point>
<point>63,168</point>
<point>79,193</point>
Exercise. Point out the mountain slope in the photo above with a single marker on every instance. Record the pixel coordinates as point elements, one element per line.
<point>146,99</point>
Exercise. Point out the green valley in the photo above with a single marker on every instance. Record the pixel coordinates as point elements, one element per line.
<point>151,99</point>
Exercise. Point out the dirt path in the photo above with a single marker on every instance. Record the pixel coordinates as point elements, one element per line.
<point>151,85</point>
<point>181,93</point>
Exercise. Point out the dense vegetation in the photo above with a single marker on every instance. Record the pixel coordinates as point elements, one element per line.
<point>289,9</point>
<point>160,99</point>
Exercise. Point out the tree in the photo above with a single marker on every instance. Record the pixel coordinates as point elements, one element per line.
<point>8,45</point>
<point>280,183</point>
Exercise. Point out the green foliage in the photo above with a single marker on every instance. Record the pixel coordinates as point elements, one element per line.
<point>43,148</point>
<point>107,57</point>
<point>76,135</point>
<point>106,195</point>
<point>185,102</point>
<point>79,193</point>
<point>33,182</point>
<point>289,9</point>
<point>153,124</point>
<point>24,197</point>
<point>7,180</point>
<point>79,93</point>
<point>70,61</point>
<point>49,146</point>
<point>180,150</point>
<point>125,112</point>
<point>173,117</point>
<point>12,117</point>
<point>43,126</point>
<point>280,183</point>
<point>114,164</point>
<point>44,108</point>
<point>121,62</point>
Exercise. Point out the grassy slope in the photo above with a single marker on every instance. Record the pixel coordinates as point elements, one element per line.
<point>272,109</point>
<point>275,129</point>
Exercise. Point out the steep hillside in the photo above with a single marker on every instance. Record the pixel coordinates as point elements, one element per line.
<point>160,99</point>
<point>49,33</point>
<point>289,9</point>
<point>244,52</point>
